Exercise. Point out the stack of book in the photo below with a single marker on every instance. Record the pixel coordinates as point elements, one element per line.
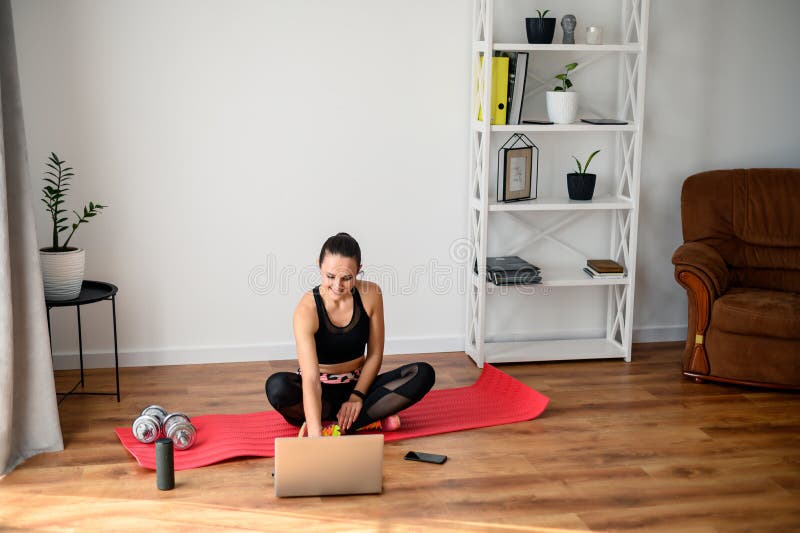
<point>604,268</point>
<point>511,270</point>
<point>509,72</point>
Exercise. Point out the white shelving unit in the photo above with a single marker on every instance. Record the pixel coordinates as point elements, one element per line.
<point>621,205</point>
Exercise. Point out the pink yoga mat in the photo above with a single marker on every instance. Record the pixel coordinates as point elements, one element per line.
<point>496,398</point>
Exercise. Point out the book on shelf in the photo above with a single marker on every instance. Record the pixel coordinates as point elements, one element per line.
<point>605,121</point>
<point>605,266</point>
<point>499,94</point>
<point>517,74</point>
<point>510,270</point>
<point>610,275</point>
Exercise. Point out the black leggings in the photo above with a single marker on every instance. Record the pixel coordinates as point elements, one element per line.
<point>390,393</point>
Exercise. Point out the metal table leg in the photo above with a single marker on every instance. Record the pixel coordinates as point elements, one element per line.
<point>116,353</point>
<point>80,341</point>
<point>49,333</point>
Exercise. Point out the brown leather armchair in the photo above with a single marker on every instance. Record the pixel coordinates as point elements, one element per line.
<point>740,266</point>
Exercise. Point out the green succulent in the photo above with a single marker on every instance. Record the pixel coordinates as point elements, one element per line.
<point>585,168</point>
<point>54,192</point>
<point>565,82</point>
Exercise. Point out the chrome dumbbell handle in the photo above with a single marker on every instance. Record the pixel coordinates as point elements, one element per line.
<point>146,429</point>
<point>156,411</point>
<point>179,428</point>
<point>147,426</point>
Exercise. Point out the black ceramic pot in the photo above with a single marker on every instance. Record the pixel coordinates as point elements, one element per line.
<point>580,186</point>
<point>540,31</point>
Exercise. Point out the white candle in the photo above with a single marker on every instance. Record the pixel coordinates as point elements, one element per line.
<point>594,35</point>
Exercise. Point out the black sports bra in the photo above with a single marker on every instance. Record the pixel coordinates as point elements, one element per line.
<point>341,344</point>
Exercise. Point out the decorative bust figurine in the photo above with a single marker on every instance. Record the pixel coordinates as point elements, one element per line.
<point>568,23</point>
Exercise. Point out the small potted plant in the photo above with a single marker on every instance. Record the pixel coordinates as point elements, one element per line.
<point>540,30</point>
<point>580,185</point>
<point>562,104</point>
<point>62,265</point>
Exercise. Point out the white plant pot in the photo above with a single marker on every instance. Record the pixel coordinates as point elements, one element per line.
<point>62,273</point>
<point>562,106</point>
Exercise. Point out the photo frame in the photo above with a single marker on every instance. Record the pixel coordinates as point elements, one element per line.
<point>517,169</point>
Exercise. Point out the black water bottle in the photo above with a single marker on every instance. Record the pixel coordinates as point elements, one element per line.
<point>165,465</point>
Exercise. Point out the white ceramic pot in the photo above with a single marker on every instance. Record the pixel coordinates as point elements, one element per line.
<point>562,106</point>
<point>62,273</point>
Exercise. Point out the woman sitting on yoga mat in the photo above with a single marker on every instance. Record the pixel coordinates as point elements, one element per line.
<point>333,323</point>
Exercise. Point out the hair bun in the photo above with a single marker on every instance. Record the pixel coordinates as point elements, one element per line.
<point>341,244</point>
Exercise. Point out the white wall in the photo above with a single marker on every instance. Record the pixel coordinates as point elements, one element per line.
<point>722,81</point>
<point>228,137</point>
<point>221,134</point>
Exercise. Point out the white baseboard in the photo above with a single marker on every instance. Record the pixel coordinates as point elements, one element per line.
<point>660,333</point>
<point>176,356</point>
<point>285,350</point>
<point>236,354</point>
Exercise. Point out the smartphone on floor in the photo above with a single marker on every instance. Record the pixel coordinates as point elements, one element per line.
<point>434,458</point>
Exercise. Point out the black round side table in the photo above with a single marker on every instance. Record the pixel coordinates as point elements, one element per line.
<point>91,292</point>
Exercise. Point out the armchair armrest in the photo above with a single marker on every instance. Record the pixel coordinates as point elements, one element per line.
<point>700,269</point>
<point>704,261</point>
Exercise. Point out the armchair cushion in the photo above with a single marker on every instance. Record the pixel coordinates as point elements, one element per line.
<point>758,312</point>
<point>750,216</point>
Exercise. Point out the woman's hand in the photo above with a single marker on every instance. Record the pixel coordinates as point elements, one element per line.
<point>310,430</point>
<point>348,412</point>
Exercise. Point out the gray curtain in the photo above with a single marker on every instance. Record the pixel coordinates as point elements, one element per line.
<point>28,410</point>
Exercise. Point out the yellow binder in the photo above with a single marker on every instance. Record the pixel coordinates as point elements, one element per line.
<point>499,96</point>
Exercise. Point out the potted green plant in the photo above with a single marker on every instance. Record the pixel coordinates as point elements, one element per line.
<point>62,265</point>
<point>562,104</point>
<point>540,30</point>
<point>580,185</point>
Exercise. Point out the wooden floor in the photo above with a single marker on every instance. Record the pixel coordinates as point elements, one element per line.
<point>622,446</point>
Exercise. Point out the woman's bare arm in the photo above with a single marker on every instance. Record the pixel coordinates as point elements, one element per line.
<point>305,325</point>
<point>373,304</point>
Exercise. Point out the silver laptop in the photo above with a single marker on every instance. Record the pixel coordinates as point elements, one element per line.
<point>320,466</point>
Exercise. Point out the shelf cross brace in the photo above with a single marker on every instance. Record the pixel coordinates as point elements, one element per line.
<point>620,293</point>
<point>626,176</point>
<point>544,233</point>
<point>634,22</point>
<point>624,224</point>
<point>631,73</point>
